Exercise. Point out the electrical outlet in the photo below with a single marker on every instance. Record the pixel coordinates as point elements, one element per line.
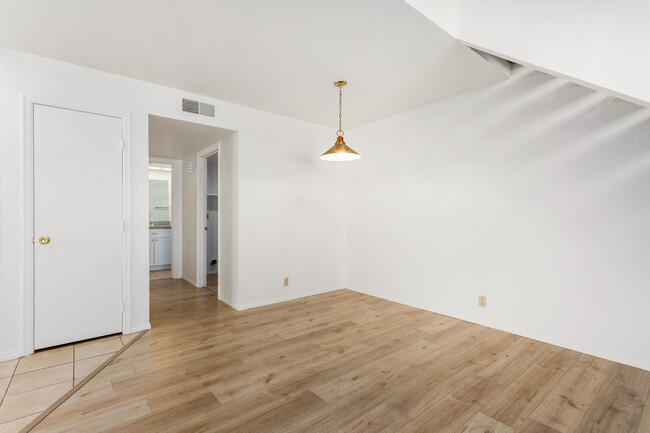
<point>482,301</point>
<point>286,281</point>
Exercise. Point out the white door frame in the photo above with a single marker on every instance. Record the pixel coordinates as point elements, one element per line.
<point>28,134</point>
<point>177,213</point>
<point>202,180</point>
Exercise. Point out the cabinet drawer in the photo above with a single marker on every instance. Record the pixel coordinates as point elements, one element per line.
<point>160,233</point>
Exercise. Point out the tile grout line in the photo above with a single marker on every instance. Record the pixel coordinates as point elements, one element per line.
<point>42,368</point>
<point>16,419</point>
<point>55,365</point>
<point>73,362</point>
<point>9,384</point>
<point>77,387</point>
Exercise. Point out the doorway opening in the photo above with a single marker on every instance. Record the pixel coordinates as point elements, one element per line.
<point>212,222</point>
<point>160,220</point>
<point>203,223</point>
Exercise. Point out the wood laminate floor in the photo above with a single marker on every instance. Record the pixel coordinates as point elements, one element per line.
<point>212,283</point>
<point>345,362</point>
<point>160,275</point>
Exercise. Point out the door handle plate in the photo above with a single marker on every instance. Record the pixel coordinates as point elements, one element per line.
<point>44,240</point>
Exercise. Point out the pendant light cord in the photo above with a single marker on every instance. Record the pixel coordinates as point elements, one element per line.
<point>339,133</point>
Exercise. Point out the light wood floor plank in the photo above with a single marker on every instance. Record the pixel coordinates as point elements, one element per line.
<point>620,403</point>
<point>345,362</point>
<point>565,407</point>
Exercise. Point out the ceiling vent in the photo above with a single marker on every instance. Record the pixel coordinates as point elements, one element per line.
<point>196,107</point>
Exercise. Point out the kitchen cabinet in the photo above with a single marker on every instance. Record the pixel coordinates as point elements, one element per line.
<point>160,248</point>
<point>152,251</point>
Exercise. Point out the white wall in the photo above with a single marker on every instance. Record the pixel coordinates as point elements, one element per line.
<point>280,178</point>
<point>600,42</point>
<point>189,220</point>
<point>442,12</point>
<point>228,184</point>
<point>534,192</point>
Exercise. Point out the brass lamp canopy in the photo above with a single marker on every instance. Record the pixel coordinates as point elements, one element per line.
<point>340,151</point>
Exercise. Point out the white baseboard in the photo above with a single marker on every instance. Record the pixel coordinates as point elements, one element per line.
<point>12,354</point>
<point>138,328</point>
<point>226,301</point>
<point>645,365</point>
<point>191,281</point>
<point>280,299</point>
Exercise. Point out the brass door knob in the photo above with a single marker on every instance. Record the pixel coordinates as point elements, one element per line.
<point>44,240</point>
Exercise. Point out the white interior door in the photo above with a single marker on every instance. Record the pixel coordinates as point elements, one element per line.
<point>78,208</point>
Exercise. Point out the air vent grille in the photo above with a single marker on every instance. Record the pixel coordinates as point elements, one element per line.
<point>206,109</point>
<point>196,107</point>
<point>190,106</point>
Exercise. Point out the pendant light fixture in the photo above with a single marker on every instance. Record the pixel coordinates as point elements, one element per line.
<point>340,151</point>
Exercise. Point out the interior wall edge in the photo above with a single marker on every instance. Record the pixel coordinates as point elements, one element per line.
<point>302,294</point>
<point>11,354</point>
<point>532,192</point>
<point>138,328</point>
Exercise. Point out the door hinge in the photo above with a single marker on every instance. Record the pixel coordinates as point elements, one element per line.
<point>123,306</point>
<point>123,226</point>
<point>122,144</point>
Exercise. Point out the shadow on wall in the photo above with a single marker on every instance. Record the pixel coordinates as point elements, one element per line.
<point>534,192</point>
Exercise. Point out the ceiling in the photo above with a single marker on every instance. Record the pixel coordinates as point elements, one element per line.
<point>177,139</point>
<point>279,56</point>
<point>160,166</point>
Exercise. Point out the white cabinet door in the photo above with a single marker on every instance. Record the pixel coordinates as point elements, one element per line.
<point>78,221</point>
<point>152,252</point>
<point>163,253</point>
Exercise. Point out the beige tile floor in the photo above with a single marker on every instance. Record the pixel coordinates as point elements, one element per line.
<point>29,385</point>
<point>160,275</point>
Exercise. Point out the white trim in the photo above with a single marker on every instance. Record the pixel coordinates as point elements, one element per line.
<point>584,83</point>
<point>126,217</point>
<point>189,280</point>
<point>177,213</point>
<point>28,228</point>
<point>513,330</point>
<point>201,170</point>
<point>12,354</point>
<point>219,216</point>
<point>280,299</point>
<point>226,301</point>
<point>201,183</point>
<point>139,328</point>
